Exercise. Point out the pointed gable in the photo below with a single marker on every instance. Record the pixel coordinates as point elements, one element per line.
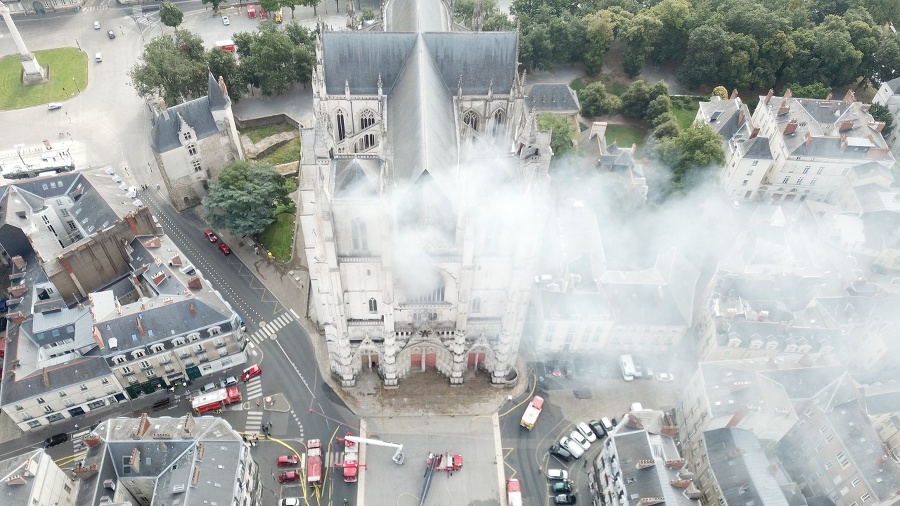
<point>354,180</point>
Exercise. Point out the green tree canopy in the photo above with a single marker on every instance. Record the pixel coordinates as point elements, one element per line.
<point>721,92</point>
<point>271,60</point>
<point>215,3</point>
<point>882,113</point>
<point>170,15</point>
<point>563,132</point>
<point>657,107</point>
<point>812,90</point>
<point>244,197</point>
<point>270,5</point>
<point>222,63</point>
<point>173,67</point>
<point>596,101</point>
<point>599,38</point>
<point>687,155</point>
<point>635,99</point>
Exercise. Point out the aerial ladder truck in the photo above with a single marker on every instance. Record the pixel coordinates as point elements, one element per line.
<point>351,455</point>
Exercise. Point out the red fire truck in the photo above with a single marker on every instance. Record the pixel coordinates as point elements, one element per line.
<point>314,463</point>
<point>215,400</point>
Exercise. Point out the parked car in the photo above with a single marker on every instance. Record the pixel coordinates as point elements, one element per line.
<point>288,476</point>
<point>224,249</point>
<point>52,106</point>
<point>664,376</point>
<point>598,429</point>
<point>557,474</point>
<point>555,370</point>
<point>648,373</point>
<point>561,487</point>
<point>572,447</point>
<point>564,499</point>
<point>229,381</point>
<point>608,425</point>
<point>586,432</point>
<point>568,368</point>
<point>56,439</point>
<point>208,388</point>
<point>226,21</point>
<point>251,372</point>
<point>579,438</point>
<point>210,235</point>
<point>636,406</point>
<point>290,501</point>
<point>288,460</point>
<point>96,25</point>
<point>111,34</point>
<point>560,453</point>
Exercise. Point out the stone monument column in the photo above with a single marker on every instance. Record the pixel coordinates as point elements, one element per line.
<point>34,73</point>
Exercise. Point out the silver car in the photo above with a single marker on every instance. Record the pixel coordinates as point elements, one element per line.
<point>572,447</point>
<point>579,438</point>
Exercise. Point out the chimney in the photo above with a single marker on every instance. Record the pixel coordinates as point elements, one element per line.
<point>176,261</point>
<point>791,127</point>
<point>189,423</point>
<point>754,133</point>
<point>161,103</point>
<point>669,430</point>
<point>769,96</point>
<point>850,97</point>
<point>193,310</point>
<point>829,97</point>
<point>135,461</point>
<point>879,125</point>
<point>16,317</point>
<point>680,483</point>
<point>675,464</point>
<point>645,463</point>
<point>153,242</point>
<point>132,224</point>
<point>45,378</point>
<point>195,283</point>
<point>808,138</point>
<point>846,125</point>
<point>140,328</point>
<point>17,291</point>
<point>740,118</point>
<point>843,142</point>
<point>84,472</point>
<point>143,427</point>
<point>16,480</point>
<point>734,94</point>
<point>788,94</point>
<point>91,440</point>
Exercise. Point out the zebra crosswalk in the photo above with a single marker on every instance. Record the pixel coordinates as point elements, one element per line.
<point>268,330</point>
<point>332,459</point>
<point>254,422</point>
<point>254,388</point>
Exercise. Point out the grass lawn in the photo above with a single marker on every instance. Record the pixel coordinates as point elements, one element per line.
<point>685,116</point>
<point>625,135</point>
<point>68,76</point>
<point>259,133</point>
<point>290,152</point>
<point>279,236</point>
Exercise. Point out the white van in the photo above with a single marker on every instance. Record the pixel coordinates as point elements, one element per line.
<point>627,367</point>
<point>98,57</point>
<point>557,474</point>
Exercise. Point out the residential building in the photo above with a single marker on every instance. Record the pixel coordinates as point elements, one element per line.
<point>558,98</point>
<point>422,182</point>
<point>616,160</point>
<point>32,478</point>
<point>798,148</point>
<point>888,95</point>
<point>653,308</point>
<point>733,470</point>
<point>162,461</point>
<point>836,453</point>
<point>753,394</point>
<point>639,463</point>
<point>882,405</point>
<point>193,142</point>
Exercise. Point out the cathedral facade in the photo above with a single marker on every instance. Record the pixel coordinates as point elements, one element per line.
<point>422,188</point>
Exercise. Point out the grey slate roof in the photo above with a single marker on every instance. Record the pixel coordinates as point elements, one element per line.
<point>19,494</point>
<point>359,58</point>
<point>894,85</point>
<point>481,58</point>
<point>740,467</point>
<point>882,403</point>
<point>217,99</point>
<point>758,148</point>
<point>416,16</point>
<point>423,136</point>
<point>555,97</point>
<point>197,113</point>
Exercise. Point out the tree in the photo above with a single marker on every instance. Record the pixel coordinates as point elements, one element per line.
<point>368,14</point>
<point>812,90</point>
<point>635,99</point>
<point>658,106</point>
<point>888,53</point>
<point>562,132</point>
<point>244,197</point>
<point>291,4</point>
<point>596,101</point>
<point>660,88</point>
<point>704,56</point>
<point>599,38</point>
<point>697,148</point>
<point>215,3</point>
<point>223,64</point>
<point>721,92</point>
<point>640,34</point>
<point>662,118</point>
<point>666,129</point>
<point>673,33</point>
<point>270,5</point>
<point>170,15</point>
<point>301,36</point>
<point>882,113</point>
<point>171,68</point>
<point>272,61</point>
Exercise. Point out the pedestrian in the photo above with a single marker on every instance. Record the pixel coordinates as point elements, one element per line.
<point>257,404</point>
<point>76,426</point>
<point>157,186</point>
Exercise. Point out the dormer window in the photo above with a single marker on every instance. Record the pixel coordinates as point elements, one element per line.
<point>187,136</point>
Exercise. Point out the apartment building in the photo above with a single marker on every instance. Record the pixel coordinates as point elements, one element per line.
<point>733,470</point>
<point>834,450</point>
<point>164,324</point>
<point>165,461</point>
<point>639,464</point>
<point>34,479</point>
<point>792,148</point>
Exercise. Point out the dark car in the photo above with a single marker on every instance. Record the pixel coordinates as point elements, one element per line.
<point>597,427</point>
<point>564,499</point>
<point>111,34</point>
<point>560,453</point>
<point>568,369</point>
<point>561,487</point>
<point>56,439</point>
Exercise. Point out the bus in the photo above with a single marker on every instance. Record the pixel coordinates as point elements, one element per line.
<point>627,366</point>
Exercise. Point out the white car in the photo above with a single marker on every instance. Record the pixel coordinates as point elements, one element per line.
<point>579,438</point>
<point>208,388</point>
<point>586,432</point>
<point>226,21</point>
<point>96,25</point>
<point>664,376</point>
<point>290,501</point>
<point>557,474</point>
<point>571,447</point>
<point>52,106</point>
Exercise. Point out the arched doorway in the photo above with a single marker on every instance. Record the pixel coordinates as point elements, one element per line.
<point>38,8</point>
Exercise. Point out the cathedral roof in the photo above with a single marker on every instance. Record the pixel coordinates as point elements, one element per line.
<point>479,58</point>
<point>356,177</point>
<point>420,110</point>
<point>360,58</point>
<point>416,16</point>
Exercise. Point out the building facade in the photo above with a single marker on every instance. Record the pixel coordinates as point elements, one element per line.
<point>420,187</point>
